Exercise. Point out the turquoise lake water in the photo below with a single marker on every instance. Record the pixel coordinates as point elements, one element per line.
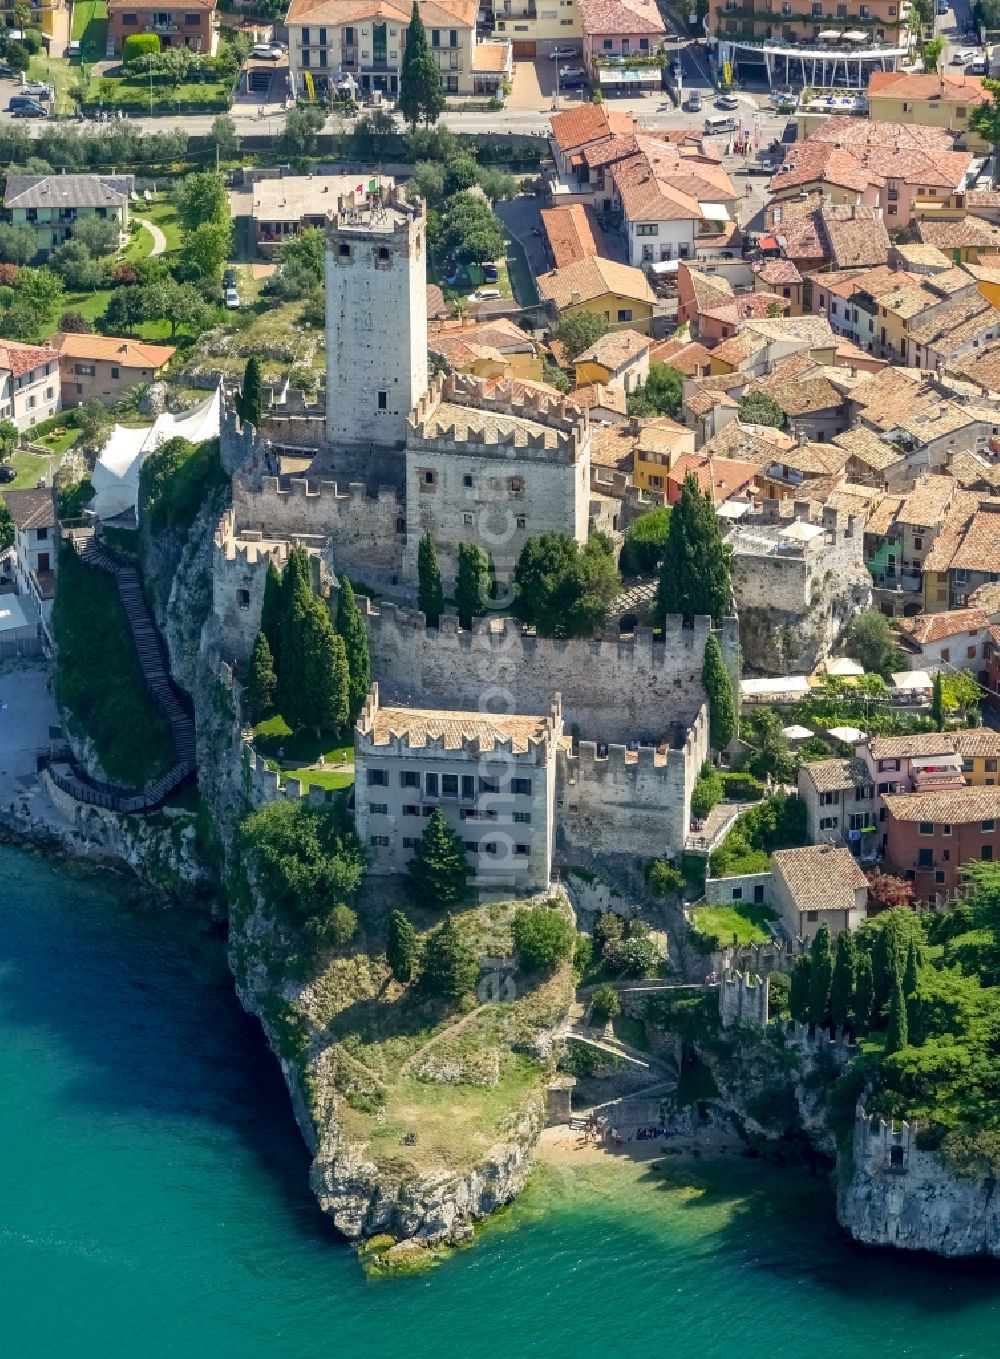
<point>154,1198</point>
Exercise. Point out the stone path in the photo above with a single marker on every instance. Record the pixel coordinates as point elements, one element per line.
<point>159,240</point>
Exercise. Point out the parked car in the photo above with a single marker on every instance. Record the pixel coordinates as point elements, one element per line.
<point>73,49</point>
<point>727,101</point>
<point>572,75</point>
<point>490,273</point>
<point>7,474</point>
<point>23,106</point>
<point>963,56</point>
<point>267,51</point>
<point>942,6</point>
<point>485,295</point>
<point>694,101</point>
<point>562,53</point>
<point>229,279</point>
<point>37,89</point>
<point>232,299</point>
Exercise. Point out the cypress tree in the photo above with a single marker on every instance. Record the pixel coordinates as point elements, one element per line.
<point>430,593</point>
<point>420,93</point>
<point>326,702</point>
<point>864,992</point>
<point>842,986</point>
<point>450,967</point>
<point>270,613</point>
<point>911,972</point>
<point>351,627</point>
<point>439,871</point>
<point>719,692</point>
<point>887,964</point>
<point>262,683</point>
<point>820,974</point>
<point>798,991</point>
<point>402,947</point>
<point>898,1034</point>
<point>296,603</point>
<point>937,702</point>
<point>472,587</point>
<point>252,397</point>
<point>695,575</point>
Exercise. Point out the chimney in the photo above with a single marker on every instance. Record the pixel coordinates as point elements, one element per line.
<point>574,298</point>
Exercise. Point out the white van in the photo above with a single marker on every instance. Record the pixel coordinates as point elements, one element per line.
<point>719,122</point>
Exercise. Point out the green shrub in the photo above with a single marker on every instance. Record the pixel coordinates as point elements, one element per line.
<point>740,787</point>
<point>176,480</point>
<point>583,953</point>
<point>543,937</point>
<point>707,792</point>
<point>606,1004</point>
<point>138,45</point>
<point>645,541</point>
<point>663,877</point>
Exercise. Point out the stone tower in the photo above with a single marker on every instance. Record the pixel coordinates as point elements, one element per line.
<point>376,318</point>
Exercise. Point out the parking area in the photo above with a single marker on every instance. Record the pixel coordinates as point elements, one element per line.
<point>533,85</point>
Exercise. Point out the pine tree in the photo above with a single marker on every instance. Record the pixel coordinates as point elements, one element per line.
<point>420,93</point>
<point>450,968</point>
<point>887,965</point>
<point>864,992</point>
<point>695,575</point>
<point>842,986</point>
<point>296,602</point>
<point>351,627</point>
<point>270,613</point>
<point>820,974</point>
<point>430,593</point>
<point>262,683</point>
<point>439,871</point>
<point>798,991</point>
<point>252,397</point>
<point>937,702</point>
<point>719,692</point>
<point>325,702</point>
<point>898,1035</point>
<point>402,947</point>
<point>472,587</point>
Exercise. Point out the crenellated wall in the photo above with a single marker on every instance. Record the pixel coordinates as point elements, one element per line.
<point>630,801</point>
<point>743,998</point>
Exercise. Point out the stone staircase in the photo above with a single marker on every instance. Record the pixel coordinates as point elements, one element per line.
<point>153,664</point>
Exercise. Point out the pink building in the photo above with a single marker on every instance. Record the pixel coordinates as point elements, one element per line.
<point>620,29</point>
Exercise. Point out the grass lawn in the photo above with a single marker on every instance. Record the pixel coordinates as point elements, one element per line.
<point>29,467</point>
<point>133,93</point>
<point>98,679</point>
<point>522,281</point>
<point>274,734</point>
<point>90,28</point>
<point>748,923</point>
<point>56,434</point>
<point>163,213</point>
<point>57,72</point>
<point>322,778</point>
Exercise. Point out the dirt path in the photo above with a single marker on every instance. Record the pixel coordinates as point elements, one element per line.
<point>159,240</point>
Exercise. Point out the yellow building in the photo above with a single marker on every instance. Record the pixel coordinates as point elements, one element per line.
<point>661,443</point>
<point>487,349</point>
<point>619,359</point>
<point>536,28</point>
<point>944,100</point>
<point>615,291</point>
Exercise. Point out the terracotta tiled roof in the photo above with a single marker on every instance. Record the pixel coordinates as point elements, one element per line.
<point>927,502</point>
<point>615,349</point>
<point>883,520</point>
<point>969,742</point>
<point>435,13</point>
<point>855,154</point>
<point>982,368</point>
<point>126,353</point>
<point>500,334</point>
<point>492,57</point>
<point>819,877</point>
<point>613,446</point>
<point>598,396</point>
<point>31,509</point>
<point>19,359</point>
<point>802,396</point>
<point>947,88</point>
<point>979,549</point>
<point>777,272</point>
<point>986,598</point>
<point>593,278</point>
<point>974,472</point>
<point>585,123</point>
<point>835,776</point>
<point>935,627</point>
<point>967,231</point>
<point>865,445</point>
<point>950,535</point>
<point>813,459</point>
<point>956,807</point>
<point>689,359</point>
<point>605,17</point>
<point>425,725</point>
<point>856,235</point>
<point>437,307</point>
<point>720,478</point>
<point>572,233</point>
<point>760,445</point>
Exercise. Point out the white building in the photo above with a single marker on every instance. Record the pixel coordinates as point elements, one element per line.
<point>36,553</point>
<point>376,318</point>
<point>29,383</point>
<point>492,777</point>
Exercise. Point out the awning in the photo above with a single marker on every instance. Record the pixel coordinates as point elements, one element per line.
<point>844,668</point>
<point>787,685</point>
<point>929,762</point>
<point>714,212</point>
<point>801,532</point>
<point>796,733</point>
<point>662,267</point>
<point>855,35</point>
<point>732,509</point>
<point>849,735</point>
<point>911,680</point>
<point>829,35</point>
<point>628,75</point>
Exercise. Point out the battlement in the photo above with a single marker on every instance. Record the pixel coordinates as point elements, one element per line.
<point>882,1146</point>
<point>249,548</point>
<point>743,999</point>
<point>386,212</point>
<point>565,425</point>
<point>301,488</point>
<point>464,734</point>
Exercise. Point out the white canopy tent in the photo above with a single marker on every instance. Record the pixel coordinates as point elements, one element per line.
<point>116,475</point>
<point>842,667</point>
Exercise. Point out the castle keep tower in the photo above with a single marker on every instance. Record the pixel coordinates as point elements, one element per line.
<point>376,318</point>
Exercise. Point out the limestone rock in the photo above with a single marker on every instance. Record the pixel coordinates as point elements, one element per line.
<point>154,399</point>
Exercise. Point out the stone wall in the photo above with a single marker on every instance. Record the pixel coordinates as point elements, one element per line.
<point>721,891</point>
<point>743,999</point>
<point>634,689</point>
<point>630,802</point>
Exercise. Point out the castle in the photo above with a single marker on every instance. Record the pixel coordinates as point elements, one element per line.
<point>462,460</point>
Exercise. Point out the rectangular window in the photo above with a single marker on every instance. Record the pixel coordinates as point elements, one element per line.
<point>431,785</point>
<point>471,846</point>
<point>409,842</point>
<point>991,766</point>
<point>489,785</point>
<point>925,858</point>
<point>378,808</point>
<point>520,520</point>
<point>453,37</point>
<point>927,828</point>
<point>522,851</point>
<point>987,853</point>
<point>522,818</point>
<point>468,787</point>
<point>409,778</point>
<point>378,778</point>
<point>987,826</point>
<point>521,787</point>
<point>737,894</point>
<point>946,829</point>
<point>435,37</point>
<point>812,916</point>
<point>379,841</point>
<point>828,823</point>
<point>939,875</point>
<point>449,785</point>
<point>829,799</point>
<point>383,400</point>
<point>411,810</point>
<point>625,313</point>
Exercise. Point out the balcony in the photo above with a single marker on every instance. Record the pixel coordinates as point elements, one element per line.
<point>156,26</point>
<point>897,582</point>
